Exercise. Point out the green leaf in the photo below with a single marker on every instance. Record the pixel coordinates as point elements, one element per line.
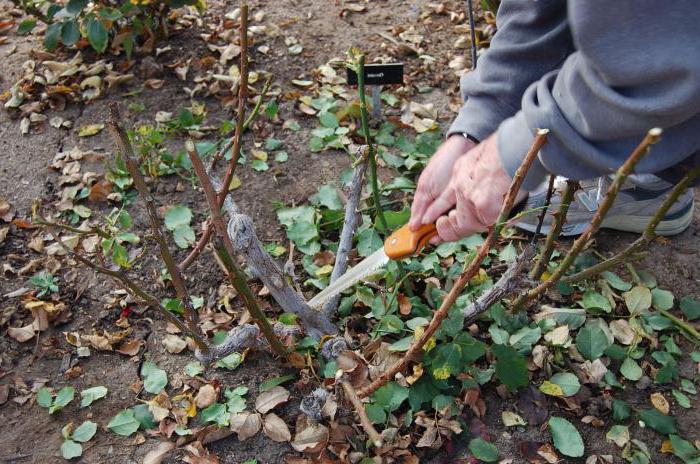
<point>631,370</point>
<point>76,6</point>
<point>71,449</point>
<point>64,396</point>
<point>447,361</point>
<point>661,299</point>
<point>483,450</point>
<point>472,349</point>
<point>84,432</point>
<point>231,361</point>
<point>682,400</point>
<point>621,410</point>
<point>328,196</point>
<point>70,32</point>
<point>26,26</point>
<point>177,216</point>
<point>591,342</point>
<point>390,396</point>
<point>259,165</point>
<point>215,413</point>
<point>684,450</point>
<point>274,381</point>
<point>328,119</point>
<point>272,144</point>
<point>566,438</point>
<point>52,36</point>
<point>124,423</point>
<point>184,236</point>
<point>194,368</point>
<point>638,299</point>
<point>368,241</point>
<point>508,253</point>
<point>43,397</point>
<point>690,308</point>
<point>511,368</point>
<point>154,378</point>
<point>89,395</point>
<point>658,421</point>
<point>281,156</point>
<point>375,413</point>
<point>144,417</point>
<point>567,381</point>
<point>616,281</point>
<point>110,14</point>
<point>97,35</point>
<point>593,300</point>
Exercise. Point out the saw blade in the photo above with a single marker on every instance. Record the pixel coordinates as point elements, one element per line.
<point>351,277</point>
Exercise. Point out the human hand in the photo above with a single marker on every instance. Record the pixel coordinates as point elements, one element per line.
<point>435,178</point>
<point>477,188</point>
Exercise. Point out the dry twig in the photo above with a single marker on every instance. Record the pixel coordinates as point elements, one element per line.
<point>366,424</point>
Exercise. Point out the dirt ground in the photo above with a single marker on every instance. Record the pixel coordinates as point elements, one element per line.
<point>28,434</point>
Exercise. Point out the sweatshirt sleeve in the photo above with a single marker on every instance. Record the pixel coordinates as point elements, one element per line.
<point>532,39</point>
<point>636,67</point>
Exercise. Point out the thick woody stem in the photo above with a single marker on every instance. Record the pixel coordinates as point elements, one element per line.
<point>366,424</point>
<point>471,270</point>
<point>625,170</point>
<point>132,165</point>
<point>348,231</point>
<point>647,236</point>
<point>226,253</point>
<point>555,230</point>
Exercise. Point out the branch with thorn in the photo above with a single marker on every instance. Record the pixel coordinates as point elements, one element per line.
<point>471,270</point>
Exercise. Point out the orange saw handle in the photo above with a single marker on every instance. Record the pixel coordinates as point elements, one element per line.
<point>405,242</point>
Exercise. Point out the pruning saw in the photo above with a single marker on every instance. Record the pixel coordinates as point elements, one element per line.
<point>402,243</point>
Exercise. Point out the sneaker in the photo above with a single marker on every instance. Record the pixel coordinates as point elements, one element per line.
<point>634,207</point>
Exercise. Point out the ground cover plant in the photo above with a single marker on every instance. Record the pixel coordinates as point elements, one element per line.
<point>404,367</point>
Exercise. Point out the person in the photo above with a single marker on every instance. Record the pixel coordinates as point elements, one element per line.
<point>598,75</point>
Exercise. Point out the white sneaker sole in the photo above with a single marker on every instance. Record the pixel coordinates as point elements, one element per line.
<point>624,223</point>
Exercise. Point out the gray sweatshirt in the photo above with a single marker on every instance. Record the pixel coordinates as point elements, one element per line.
<point>598,74</point>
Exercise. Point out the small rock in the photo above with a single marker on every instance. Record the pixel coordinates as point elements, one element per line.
<point>643,383</point>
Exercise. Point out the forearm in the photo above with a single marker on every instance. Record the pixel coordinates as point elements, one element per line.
<point>532,39</point>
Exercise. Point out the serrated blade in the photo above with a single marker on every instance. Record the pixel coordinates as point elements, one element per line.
<point>351,277</point>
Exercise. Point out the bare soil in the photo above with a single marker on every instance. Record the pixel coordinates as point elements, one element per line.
<point>29,434</point>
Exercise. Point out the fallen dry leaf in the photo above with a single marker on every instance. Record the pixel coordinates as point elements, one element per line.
<point>660,402</point>
<point>270,399</point>
<point>206,396</point>
<point>246,424</point>
<point>21,334</point>
<point>130,347</point>
<point>311,439</point>
<point>276,429</point>
<point>174,344</point>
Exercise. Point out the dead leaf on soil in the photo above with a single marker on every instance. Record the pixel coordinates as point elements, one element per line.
<point>21,334</point>
<point>246,424</point>
<point>206,396</point>
<point>270,399</point>
<point>276,429</point>
<point>660,402</point>
<point>174,344</point>
<point>130,347</point>
<point>310,437</point>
